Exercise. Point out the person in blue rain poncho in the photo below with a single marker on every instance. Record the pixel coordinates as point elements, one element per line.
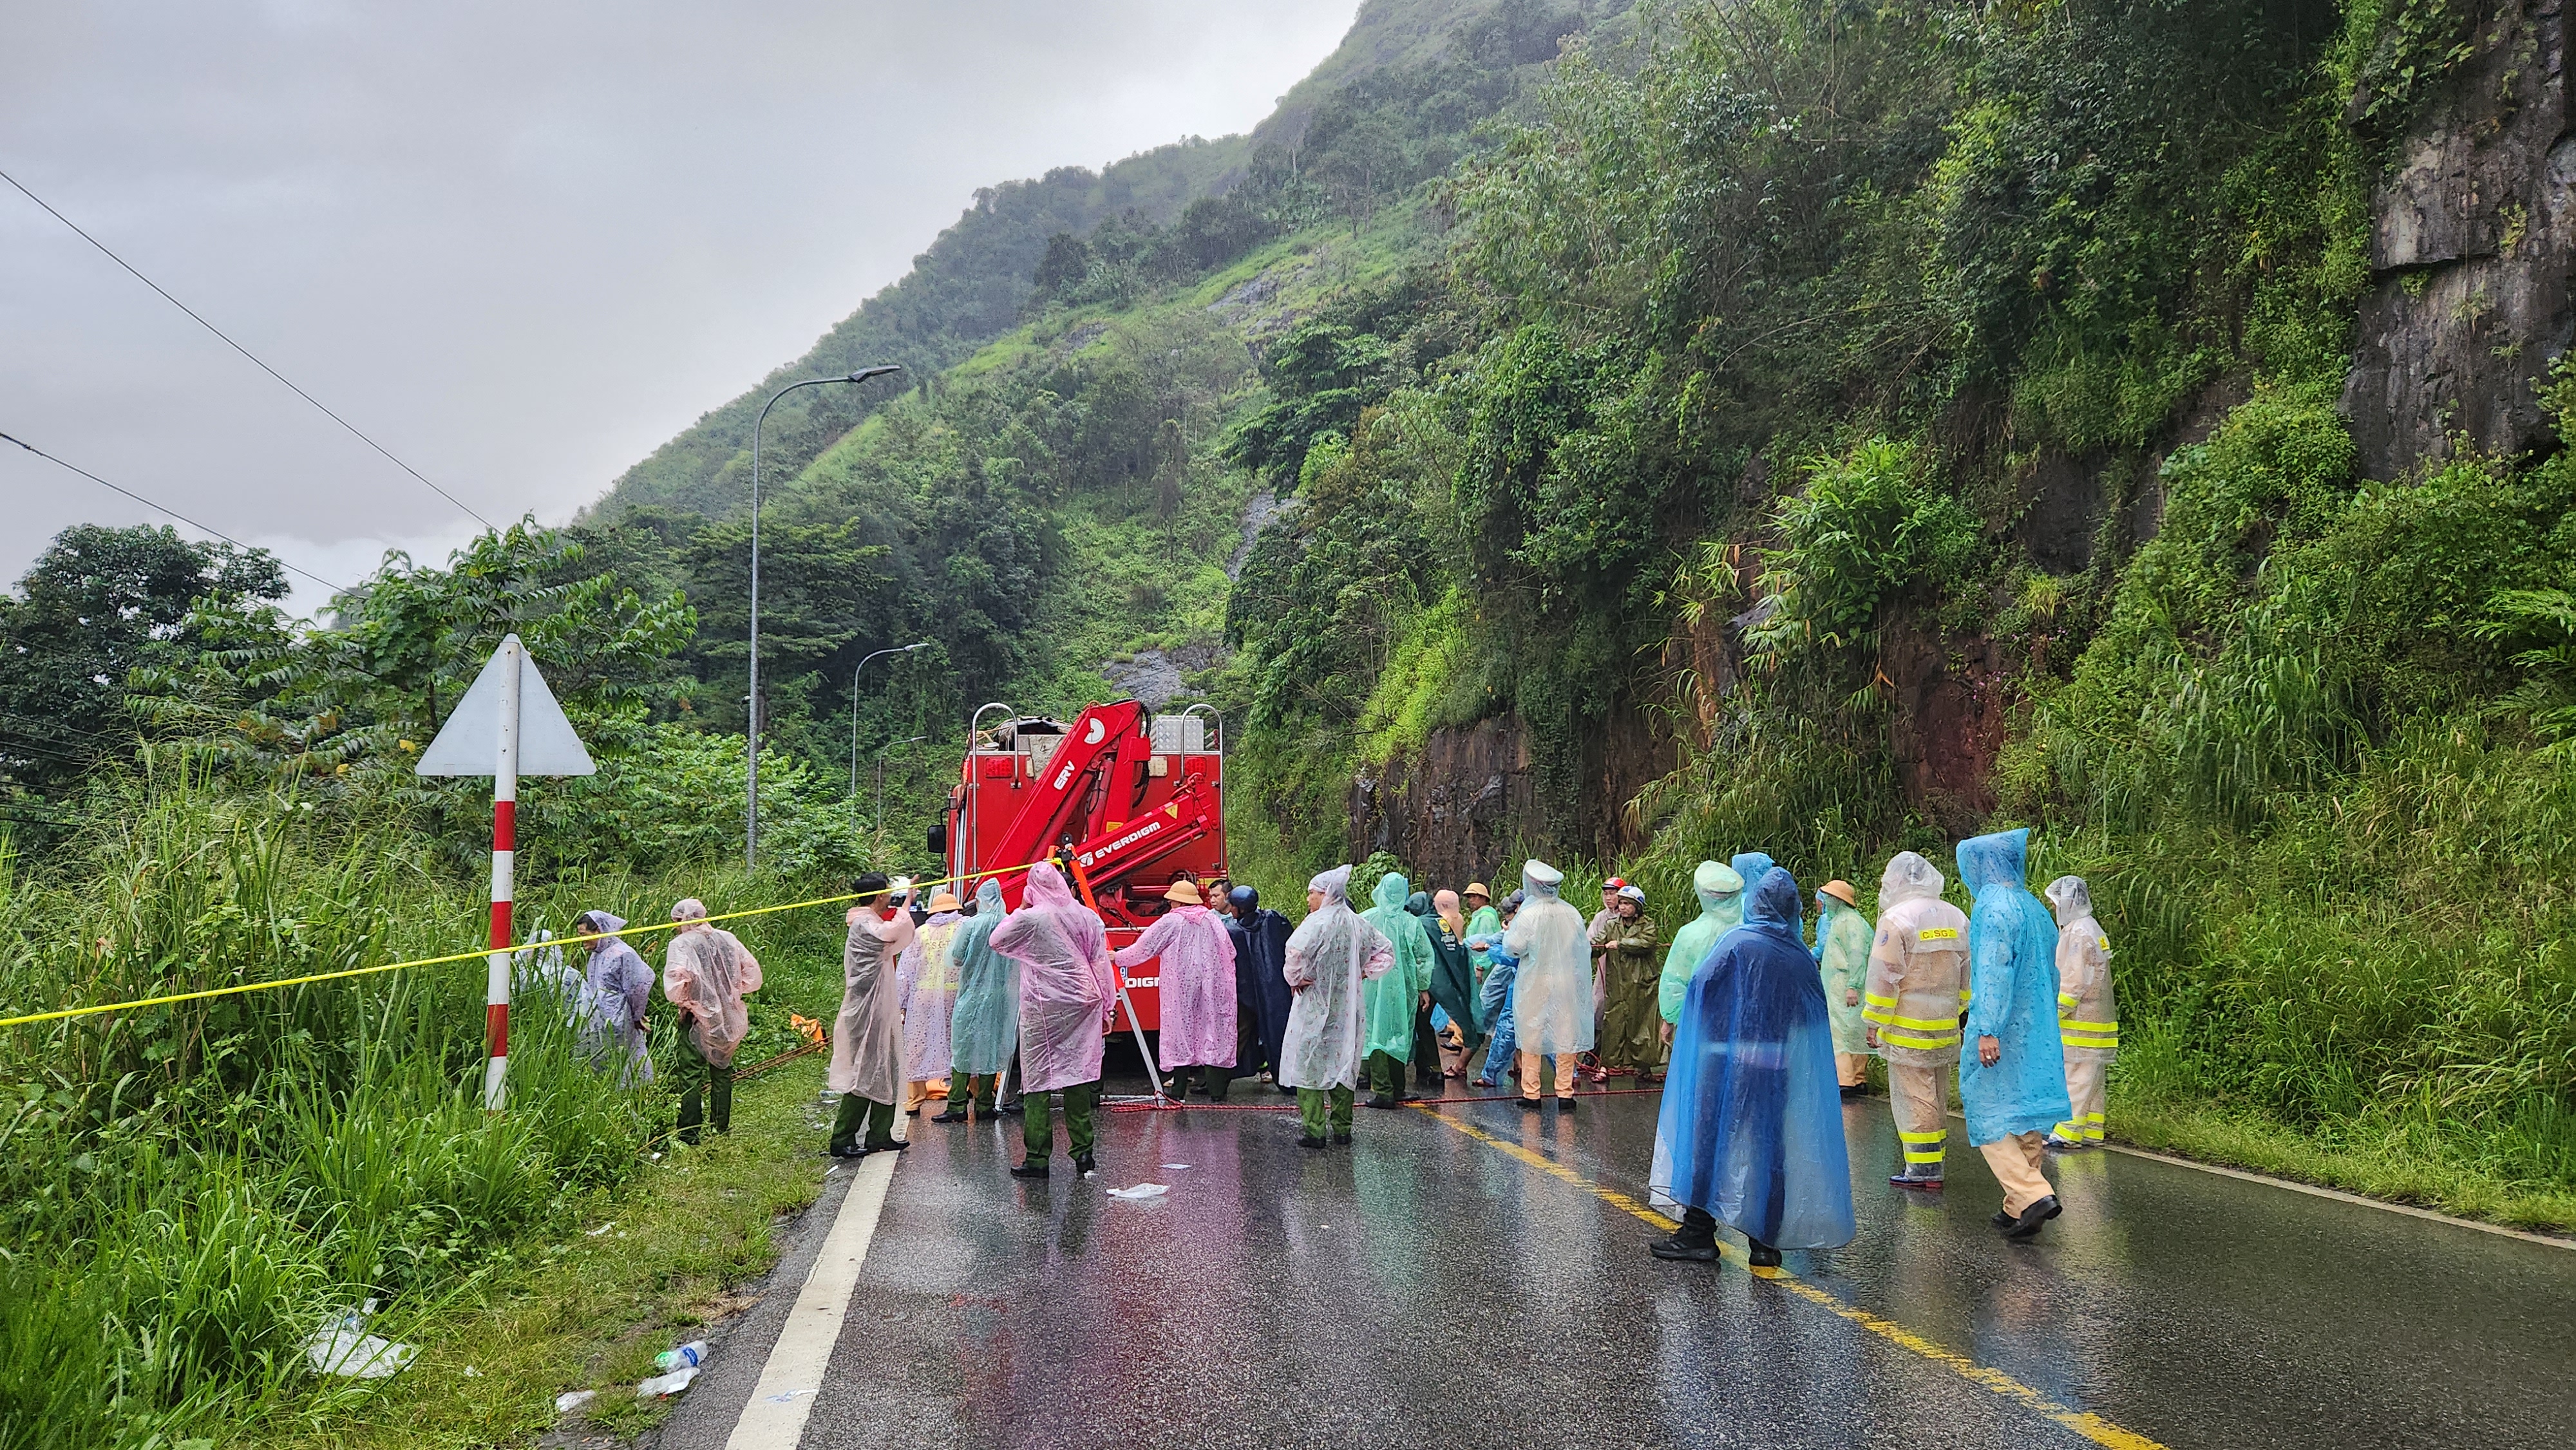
<point>1751,1131</point>
<point>2012,1085</point>
<point>984,1026</point>
<point>1494,997</point>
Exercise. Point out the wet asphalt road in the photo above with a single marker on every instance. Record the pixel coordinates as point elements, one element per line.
<point>1423,1288</point>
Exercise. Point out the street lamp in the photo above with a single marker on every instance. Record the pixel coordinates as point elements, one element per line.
<point>881,755</point>
<point>901,649</point>
<point>751,809</point>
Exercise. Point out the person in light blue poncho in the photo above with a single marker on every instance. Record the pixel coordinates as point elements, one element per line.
<point>1751,1132</point>
<point>2012,1087</point>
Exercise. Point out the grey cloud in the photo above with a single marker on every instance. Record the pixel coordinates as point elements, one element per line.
<point>520,244</point>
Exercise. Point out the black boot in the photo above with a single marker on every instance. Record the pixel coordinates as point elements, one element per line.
<point>1693,1242</point>
<point>1565,1104</point>
<point>955,1114</point>
<point>1030,1167</point>
<point>1763,1256</point>
<point>1529,1105</point>
<point>1342,1136</point>
<point>1310,1142</point>
<point>2027,1226</point>
<point>1083,1167</point>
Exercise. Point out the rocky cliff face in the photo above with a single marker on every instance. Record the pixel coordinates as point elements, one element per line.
<point>2472,244</point>
<point>1470,806</point>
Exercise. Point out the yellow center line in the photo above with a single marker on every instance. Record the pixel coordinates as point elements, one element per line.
<point>2083,1422</point>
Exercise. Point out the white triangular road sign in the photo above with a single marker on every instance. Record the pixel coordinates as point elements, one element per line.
<point>470,742</point>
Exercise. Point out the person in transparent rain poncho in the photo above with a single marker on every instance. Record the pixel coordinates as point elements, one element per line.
<point>1750,1133</point>
<point>1910,1001</point>
<point>867,1038</point>
<point>1552,987</point>
<point>2088,1024</point>
<point>2012,1087</point>
<point>1195,981</point>
<point>1842,961</point>
<point>1332,957</point>
<point>927,981</point>
<point>1395,998</point>
<point>622,983</point>
<point>706,971</point>
<point>984,1027</point>
<point>538,971</point>
<point>1068,993</point>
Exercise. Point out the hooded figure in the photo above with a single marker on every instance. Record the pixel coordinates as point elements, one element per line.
<point>2013,1085</point>
<point>1197,987</point>
<point>1751,1131</point>
<point>1630,1041</point>
<point>2088,1026</point>
<point>1842,962</point>
<point>867,1038</point>
<point>539,970</point>
<point>1721,908</point>
<point>1453,971</point>
<point>1394,997</point>
<point>1552,987</point>
<point>706,971</point>
<point>1332,956</point>
<point>984,1027</point>
<point>1910,1004</point>
<point>929,991</point>
<point>1261,993</point>
<point>1068,989</point>
<point>623,986</point>
<point>1494,996</point>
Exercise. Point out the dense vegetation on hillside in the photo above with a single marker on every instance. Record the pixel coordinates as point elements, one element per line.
<point>1737,383</point>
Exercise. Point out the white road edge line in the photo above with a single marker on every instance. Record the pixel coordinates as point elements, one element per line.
<point>2338,1195</point>
<point>792,1379</point>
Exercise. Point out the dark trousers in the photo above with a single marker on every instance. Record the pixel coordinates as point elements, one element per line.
<point>857,1113</point>
<point>1322,1110</point>
<point>1426,1053</point>
<point>1215,1081</point>
<point>1037,1120</point>
<point>981,1085</point>
<point>709,1087</point>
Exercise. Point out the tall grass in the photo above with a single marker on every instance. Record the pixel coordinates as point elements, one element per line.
<point>187,1192</point>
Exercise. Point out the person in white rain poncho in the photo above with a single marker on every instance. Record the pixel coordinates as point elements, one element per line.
<point>1330,954</point>
<point>1197,990</point>
<point>2088,1026</point>
<point>622,984</point>
<point>1552,994</point>
<point>927,980</point>
<point>1067,992</point>
<point>705,972</point>
<point>867,1038</point>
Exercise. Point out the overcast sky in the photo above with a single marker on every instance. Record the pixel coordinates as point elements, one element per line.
<point>520,244</point>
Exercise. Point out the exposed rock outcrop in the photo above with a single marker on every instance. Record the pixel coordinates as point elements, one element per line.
<point>2473,242</point>
<point>1469,806</point>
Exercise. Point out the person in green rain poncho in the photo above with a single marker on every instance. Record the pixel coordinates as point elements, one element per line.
<point>1721,909</point>
<point>1842,959</point>
<point>1482,920</point>
<point>1394,998</point>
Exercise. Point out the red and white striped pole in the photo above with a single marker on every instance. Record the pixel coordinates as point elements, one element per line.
<point>505,842</point>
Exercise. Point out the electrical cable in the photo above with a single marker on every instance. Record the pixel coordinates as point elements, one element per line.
<point>245,352</point>
<point>160,508</point>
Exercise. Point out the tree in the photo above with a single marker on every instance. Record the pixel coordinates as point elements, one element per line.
<point>98,605</point>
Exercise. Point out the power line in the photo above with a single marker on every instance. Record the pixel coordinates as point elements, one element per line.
<point>174,513</point>
<point>245,352</point>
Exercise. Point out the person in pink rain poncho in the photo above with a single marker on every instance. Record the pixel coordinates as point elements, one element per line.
<point>706,971</point>
<point>1067,992</point>
<point>1197,987</point>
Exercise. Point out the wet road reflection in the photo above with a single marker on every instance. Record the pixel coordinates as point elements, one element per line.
<point>1422,1287</point>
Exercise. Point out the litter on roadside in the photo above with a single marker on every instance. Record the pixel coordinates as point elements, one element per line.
<point>1141,1190</point>
<point>666,1384</point>
<point>685,1356</point>
<point>344,1347</point>
<point>1176,1165</point>
<point>571,1400</point>
<point>603,1228</point>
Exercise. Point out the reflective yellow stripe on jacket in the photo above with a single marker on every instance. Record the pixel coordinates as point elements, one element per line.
<point>1926,1032</point>
<point>2072,1033</point>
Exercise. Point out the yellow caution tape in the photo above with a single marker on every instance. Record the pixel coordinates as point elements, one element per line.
<point>478,954</point>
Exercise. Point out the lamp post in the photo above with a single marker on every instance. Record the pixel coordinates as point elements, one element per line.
<point>751,731</point>
<point>901,649</point>
<point>881,755</point>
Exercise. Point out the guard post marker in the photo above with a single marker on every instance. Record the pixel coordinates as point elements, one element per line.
<point>507,725</point>
<point>505,851</point>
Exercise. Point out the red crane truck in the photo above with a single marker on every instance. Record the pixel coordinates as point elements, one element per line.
<point>1128,798</point>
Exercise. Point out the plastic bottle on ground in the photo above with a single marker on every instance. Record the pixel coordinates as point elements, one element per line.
<point>686,1356</point>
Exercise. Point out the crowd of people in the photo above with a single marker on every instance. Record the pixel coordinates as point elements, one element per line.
<point>1755,1028</point>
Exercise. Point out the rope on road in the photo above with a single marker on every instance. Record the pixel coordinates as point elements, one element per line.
<point>479,954</point>
<point>1424,1103</point>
